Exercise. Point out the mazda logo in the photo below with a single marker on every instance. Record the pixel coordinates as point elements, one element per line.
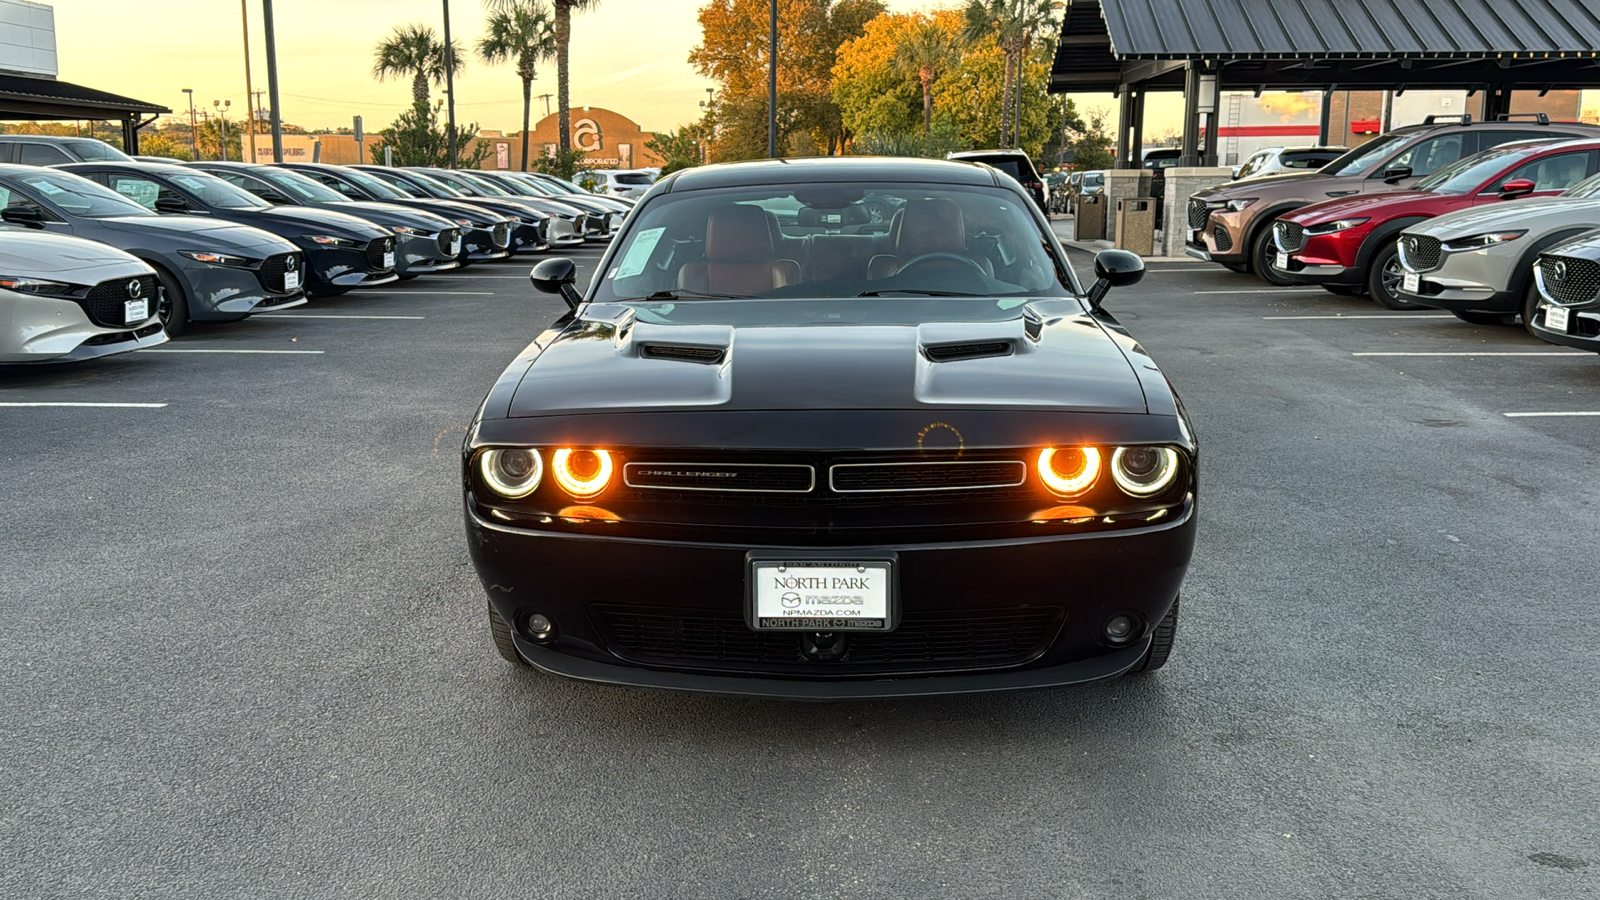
<point>1559,272</point>
<point>790,601</point>
<point>1411,244</point>
<point>135,288</point>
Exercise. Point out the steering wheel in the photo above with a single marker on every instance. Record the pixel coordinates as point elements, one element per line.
<point>967,261</point>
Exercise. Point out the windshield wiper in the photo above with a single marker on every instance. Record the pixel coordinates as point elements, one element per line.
<point>919,292</point>
<point>687,295</point>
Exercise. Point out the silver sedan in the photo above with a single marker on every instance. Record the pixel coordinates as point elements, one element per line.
<point>64,299</point>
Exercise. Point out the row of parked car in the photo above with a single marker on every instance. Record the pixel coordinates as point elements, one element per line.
<point>1421,217</point>
<point>113,254</point>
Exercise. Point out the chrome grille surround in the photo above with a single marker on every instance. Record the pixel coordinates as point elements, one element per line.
<point>1289,236</point>
<point>1420,252</point>
<point>1199,212</point>
<point>1567,280</point>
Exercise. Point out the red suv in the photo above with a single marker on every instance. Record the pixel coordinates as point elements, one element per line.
<point>1349,245</point>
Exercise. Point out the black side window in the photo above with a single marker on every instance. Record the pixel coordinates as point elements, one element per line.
<point>336,184</point>
<point>42,155</point>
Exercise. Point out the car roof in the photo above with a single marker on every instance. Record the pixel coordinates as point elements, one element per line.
<point>830,168</point>
<point>135,165</point>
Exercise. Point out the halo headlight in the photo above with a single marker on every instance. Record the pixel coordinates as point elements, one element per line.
<point>581,473</point>
<point>1144,471</point>
<point>511,472</point>
<point>1069,471</point>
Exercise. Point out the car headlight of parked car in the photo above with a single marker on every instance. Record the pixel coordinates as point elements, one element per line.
<point>1338,225</point>
<point>1480,241</point>
<point>217,259</point>
<point>328,240</point>
<point>1144,471</point>
<point>36,286</point>
<point>402,229</point>
<point>581,473</point>
<point>512,472</point>
<point>1234,205</point>
<point>1069,471</point>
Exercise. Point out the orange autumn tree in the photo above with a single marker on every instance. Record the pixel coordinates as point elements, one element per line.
<point>886,77</point>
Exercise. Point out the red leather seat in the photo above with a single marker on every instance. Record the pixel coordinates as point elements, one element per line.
<point>927,226</point>
<point>740,257</point>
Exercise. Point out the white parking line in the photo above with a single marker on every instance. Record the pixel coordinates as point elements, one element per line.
<point>1268,291</point>
<point>1401,316</point>
<point>423,292</point>
<point>325,316</point>
<point>197,350</point>
<point>1528,415</point>
<point>1487,353</point>
<point>87,405</point>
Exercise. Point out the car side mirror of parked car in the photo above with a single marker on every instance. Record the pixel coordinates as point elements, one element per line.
<point>1395,174</point>
<point>557,275</point>
<point>1114,268</point>
<point>26,216</point>
<point>171,205</point>
<point>1516,187</point>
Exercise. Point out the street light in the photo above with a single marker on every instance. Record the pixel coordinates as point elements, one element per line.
<point>222,118</point>
<point>194,137</point>
<point>772,84</point>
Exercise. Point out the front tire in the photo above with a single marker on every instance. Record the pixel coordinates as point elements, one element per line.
<point>173,308</point>
<point>1160,643</point>
<point>1262,251</point>
<point>1383,279</point>
<point>500,631</point>
<point>1530,304</point>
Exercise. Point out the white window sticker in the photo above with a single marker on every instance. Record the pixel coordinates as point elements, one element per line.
<point>639,252</point>
<point>47,188</point>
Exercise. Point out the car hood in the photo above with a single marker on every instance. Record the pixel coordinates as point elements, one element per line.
<point>340,224</point>
<point>1539,214</point>
<point>203,232</point>
<point>1275,187</point>
<point>1379,206</point>
<point>57,257</point>
<point>389,214</point>
<point>783,355</point>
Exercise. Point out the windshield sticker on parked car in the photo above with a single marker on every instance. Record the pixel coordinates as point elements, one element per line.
<point>639,252</point>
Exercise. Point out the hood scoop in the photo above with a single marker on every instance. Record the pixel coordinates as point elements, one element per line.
<point>953,352</point>
<point>688,353</point>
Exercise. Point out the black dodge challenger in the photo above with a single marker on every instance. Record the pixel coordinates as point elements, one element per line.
<point>833,428</point>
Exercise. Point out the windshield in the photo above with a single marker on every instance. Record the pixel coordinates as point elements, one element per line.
<point>432,187</point>
<point>96,151</point>
<point>296,185</point>
<point>213,191</point>
<point>483,185</point>
<point>80,196</point>
<point>382,188</point>
<point>818,241</point>
<point>535,185</point>
<point>1364,157</point>
<point>1466,175</point>
<point>1587,188</point>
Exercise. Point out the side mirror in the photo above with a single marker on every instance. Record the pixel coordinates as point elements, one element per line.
<point>1114,268</point>
<point>1516,187</point>
<point>1394,174</point>
<point>27,216</point>
<point>171,205</point>
<point>557,275</point>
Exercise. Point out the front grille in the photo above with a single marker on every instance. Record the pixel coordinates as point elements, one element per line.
<point>939,640</point>
<point>105,302</point>
<point>1199,212</point>
<point>1290,236</point>
<point>925,476</point>
<point>446,238</point>
<point>274,268</point>
<point>376,252</point>
<point>1419,252</point>
<point>1223,239</point>
<point>501,235</point>
<point>1568,279</point>
<point>721,477</point>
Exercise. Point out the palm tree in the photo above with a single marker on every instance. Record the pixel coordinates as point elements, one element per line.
<point>519,30</point>
<point>417,52</point>
<point>926,51</point>
<point>564,11</point>
<point>1015,25</point>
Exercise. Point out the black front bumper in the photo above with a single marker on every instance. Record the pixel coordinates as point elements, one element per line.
<point>587,582</point>
<point>1583,333</point>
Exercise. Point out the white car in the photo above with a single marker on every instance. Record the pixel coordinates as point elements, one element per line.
<point>631,183</point>
<point>1278,160</point>
<point>64,299</point>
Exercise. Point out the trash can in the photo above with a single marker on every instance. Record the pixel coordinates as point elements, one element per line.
<point>1136,226</point>
<point>1089,222</point>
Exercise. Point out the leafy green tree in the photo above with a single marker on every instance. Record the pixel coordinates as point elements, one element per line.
<point>927,50</point>
<point>419,139</point>
<point>677,149</point>
<point>1089,138</point>
<point>1016,26</point>
<point>564,163</point>
<point>519,31</point>
<point>563,35</point>
<point>415,52</point>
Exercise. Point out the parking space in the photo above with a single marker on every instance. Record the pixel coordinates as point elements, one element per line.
<point>247,647</point>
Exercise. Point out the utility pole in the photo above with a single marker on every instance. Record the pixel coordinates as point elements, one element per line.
<point>272,84</point>
<point>772,84</point>
<point>222,120</point>
<point>450,81</point>
<point>244,19</point>
<point>194,136</point>
<point>546,99</point>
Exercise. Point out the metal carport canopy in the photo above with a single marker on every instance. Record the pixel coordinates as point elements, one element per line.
<point>1112,45</point>
<point>24,97</point>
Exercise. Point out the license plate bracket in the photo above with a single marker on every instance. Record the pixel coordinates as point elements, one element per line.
<point>1411,283</point>
<point>822,592</point>
<point>1282,261</point>
<point>1557,318</point>
<point>135,311</point>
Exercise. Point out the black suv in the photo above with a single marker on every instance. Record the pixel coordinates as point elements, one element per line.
<point>1016,164</point>
<point>44,150</point>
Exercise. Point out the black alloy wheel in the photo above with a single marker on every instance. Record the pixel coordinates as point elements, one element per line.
<point>172,309</point>
<point>1263,252</point>
<point>1383,279</point>
<point>1160,643</point>
<point>501,632</point>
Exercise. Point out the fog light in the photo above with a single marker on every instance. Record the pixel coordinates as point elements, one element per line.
<point>1119,629</point>
<point>540,628</point>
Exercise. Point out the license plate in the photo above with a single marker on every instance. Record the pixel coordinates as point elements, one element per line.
<point>388,260</point>
<point>821,595</point>
<point>1555,318</point>
<point>455,247</point>
<point>136,311</point>
<point>1410,283</point>
<point>1282,261</point>
<point>291,280</point>
<point>1194,235</point>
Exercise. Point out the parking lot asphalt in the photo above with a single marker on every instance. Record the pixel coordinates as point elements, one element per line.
<point>245,654</point>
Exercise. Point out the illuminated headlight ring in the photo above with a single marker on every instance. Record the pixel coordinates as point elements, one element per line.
<point>1144,471</point>
<point>581,487</point>
<point>511,472</point>
<point>1081,470</point>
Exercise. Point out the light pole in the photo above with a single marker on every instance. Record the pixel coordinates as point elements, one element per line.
<point>194,136</point>
<point>450,82</point>
<point>772,84</point>
<point>709,134</point>
<point>244,19</point>
<point>222,120</point>
<point>272,82</point>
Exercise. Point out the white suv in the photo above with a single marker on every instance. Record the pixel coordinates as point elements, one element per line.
<point>631,183</point>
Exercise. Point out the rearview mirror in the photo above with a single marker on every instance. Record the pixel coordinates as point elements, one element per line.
<point>1114,268</point>
<point>171,205</point>
<point>1396,173</point>
<point>27,216</point>
<point>1516,187</point>
<point>557,276</point>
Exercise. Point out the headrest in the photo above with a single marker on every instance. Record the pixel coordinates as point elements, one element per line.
<point>808,217</point>
<point>737,234</point>
<point>931,226</point>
